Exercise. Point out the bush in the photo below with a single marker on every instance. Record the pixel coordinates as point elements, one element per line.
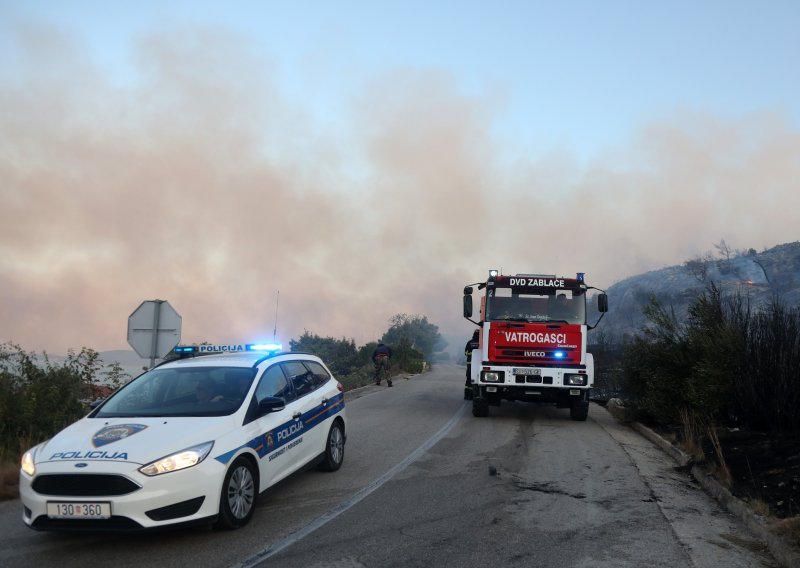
<point>37,399</point>
<point>727,363</point>
<point>353,367</point>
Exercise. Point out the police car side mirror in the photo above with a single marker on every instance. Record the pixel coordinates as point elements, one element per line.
<point>602,303</point>
<point>271,404</point>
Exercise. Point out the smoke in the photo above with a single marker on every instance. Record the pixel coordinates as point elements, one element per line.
<point>204,184</point>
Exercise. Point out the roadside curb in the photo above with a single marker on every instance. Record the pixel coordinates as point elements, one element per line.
<point>783,552</point>
<point>358,392</point>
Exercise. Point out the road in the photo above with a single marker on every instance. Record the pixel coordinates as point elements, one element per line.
<point>424,483</point>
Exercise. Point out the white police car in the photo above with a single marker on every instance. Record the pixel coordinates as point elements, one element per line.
<point>193,440</point>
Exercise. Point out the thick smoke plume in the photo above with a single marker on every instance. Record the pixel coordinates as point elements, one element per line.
<point>203,184</point>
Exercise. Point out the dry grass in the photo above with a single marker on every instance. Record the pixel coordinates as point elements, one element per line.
<point>9,481</point>
<point>692,444</point>
<point>723,472</point>
<point>789,529</point>
<point>759,507</point>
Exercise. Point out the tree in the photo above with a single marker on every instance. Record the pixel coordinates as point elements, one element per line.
<point>340,355</point>
<point>724,249</point>
<point>699,265</point>
<point>417,331</point>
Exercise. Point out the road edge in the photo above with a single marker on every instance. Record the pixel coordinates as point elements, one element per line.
<point>782,550</point>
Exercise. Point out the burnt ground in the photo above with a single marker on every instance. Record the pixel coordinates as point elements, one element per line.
<point>764,469</point>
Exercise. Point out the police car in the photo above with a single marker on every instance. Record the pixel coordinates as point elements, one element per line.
<point>193,440</point>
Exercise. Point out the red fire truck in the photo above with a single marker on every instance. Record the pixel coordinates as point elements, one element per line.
<point>532,341</point>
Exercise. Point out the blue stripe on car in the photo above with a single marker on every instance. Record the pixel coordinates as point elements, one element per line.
<point>267,442</point>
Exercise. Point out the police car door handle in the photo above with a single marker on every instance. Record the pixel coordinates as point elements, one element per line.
<point>296,415</point>
<point>324,402</point>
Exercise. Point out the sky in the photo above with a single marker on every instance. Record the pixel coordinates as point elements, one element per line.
<point>271,168</point>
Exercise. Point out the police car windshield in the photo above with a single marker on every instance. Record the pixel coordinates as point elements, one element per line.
<point>536,305</point>
<point>193,391</point>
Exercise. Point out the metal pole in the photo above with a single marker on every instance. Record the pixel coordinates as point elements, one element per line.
<point>154,342</point>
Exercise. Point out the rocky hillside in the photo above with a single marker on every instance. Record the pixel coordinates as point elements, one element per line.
<point>761,276</point>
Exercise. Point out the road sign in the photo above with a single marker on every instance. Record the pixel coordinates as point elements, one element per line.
<point>154,328</point>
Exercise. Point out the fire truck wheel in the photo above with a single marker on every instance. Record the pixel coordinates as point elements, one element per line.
<point>480,407</point>
<point>579,410</point>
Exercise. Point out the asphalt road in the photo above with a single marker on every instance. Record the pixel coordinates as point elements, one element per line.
<point>424,483</point>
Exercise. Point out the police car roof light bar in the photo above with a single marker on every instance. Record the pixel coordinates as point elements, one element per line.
<point>206,349</point>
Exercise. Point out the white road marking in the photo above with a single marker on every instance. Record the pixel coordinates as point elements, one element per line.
<point>325,518</point>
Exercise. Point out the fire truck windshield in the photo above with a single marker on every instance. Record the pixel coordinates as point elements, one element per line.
<point>536,305</point>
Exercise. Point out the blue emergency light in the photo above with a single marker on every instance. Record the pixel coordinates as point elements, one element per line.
<point>581,276</point>
<point>559,354</point>
<point>264,346</point>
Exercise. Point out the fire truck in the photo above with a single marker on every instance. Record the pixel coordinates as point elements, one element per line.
<point>532,341</point>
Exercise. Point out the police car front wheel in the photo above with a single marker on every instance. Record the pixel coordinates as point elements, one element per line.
<point>238,500</point>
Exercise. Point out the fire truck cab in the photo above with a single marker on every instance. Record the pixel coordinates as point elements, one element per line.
<point>532,341</point>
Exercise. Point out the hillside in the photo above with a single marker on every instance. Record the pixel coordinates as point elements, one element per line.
<point>760,276</point>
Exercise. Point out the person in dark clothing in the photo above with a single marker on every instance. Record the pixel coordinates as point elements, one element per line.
<point>380,357</point>
<point>471,344</point>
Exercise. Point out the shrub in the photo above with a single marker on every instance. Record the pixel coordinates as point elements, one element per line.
<point>37,399</point>
<point>727,362</point>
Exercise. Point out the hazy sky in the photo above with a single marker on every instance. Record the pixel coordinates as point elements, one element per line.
<point>372,158</point>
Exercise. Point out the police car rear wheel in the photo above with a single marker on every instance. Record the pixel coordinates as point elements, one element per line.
<point>334,449</point>
<point>238,500</point>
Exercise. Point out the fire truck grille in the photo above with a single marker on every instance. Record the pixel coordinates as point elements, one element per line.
<point>83,485</point>
<point>541,356</point>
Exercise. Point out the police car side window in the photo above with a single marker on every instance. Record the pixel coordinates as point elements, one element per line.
<point>274,383</point>
<point>301,377</point>
<point>321,376</point>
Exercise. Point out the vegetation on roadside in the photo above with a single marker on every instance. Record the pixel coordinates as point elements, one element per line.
<point>729,363</point>
<point>727,372</point>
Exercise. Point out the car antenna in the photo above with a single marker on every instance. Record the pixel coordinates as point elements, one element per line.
<point>275,330</point>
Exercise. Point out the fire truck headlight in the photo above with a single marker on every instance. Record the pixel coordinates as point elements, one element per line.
<point>492,376</point>
<point>575,380</point>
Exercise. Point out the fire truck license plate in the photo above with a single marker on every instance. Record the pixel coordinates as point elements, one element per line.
<point>526,371</point>
<point>78,510</point>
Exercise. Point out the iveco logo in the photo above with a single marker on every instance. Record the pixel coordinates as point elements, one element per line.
<point>82,464</point>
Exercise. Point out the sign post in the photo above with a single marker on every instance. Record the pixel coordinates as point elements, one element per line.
<point>154,328</point>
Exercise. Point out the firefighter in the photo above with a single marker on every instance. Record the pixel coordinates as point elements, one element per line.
<point>471,344</point>
<point>380,357</point>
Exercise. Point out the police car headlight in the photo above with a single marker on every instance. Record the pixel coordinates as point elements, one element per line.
<point>27,464</point>
<point>492,376</point>
<point>177,461</point>
<point>575,380</point>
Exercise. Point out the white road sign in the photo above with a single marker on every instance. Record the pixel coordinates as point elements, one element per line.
<point>154,328</point>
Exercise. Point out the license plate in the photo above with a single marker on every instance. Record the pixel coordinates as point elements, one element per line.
<point>526,371</point>
<point>75,510</point>
<point>491,389</point>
